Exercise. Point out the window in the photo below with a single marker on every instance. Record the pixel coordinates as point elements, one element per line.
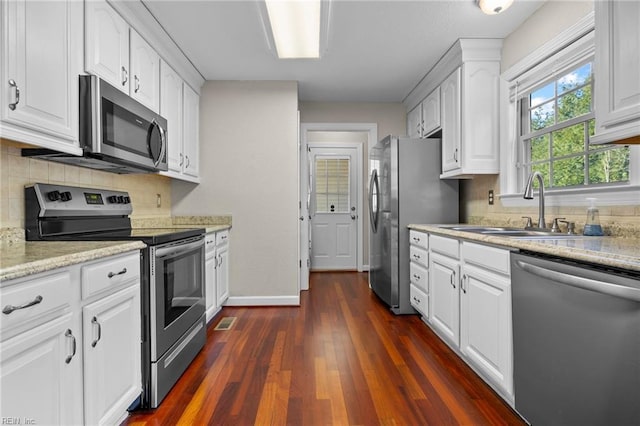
<point>332,185</point>
<point>556,122</point>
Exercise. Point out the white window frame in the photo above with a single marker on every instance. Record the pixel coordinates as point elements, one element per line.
<point>575,44</point>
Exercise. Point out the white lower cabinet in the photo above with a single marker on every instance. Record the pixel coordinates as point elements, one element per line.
<point>216,272</point>
<point>70,343</point>
<point>444,301</point>
<point>470,307</point>
<point>37,382</point>
<point>111,341</point>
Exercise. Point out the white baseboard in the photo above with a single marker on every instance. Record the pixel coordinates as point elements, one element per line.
<point>263,301</point>
<point>365,268</point>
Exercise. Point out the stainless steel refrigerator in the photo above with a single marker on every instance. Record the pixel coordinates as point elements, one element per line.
<point>404,188</point>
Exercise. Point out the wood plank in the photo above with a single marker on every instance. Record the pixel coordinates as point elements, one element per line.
<point>340,358</point>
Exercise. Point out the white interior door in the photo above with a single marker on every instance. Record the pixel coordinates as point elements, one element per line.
<point>334,208</point>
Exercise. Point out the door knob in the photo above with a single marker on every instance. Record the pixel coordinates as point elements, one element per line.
<point>302,218</point>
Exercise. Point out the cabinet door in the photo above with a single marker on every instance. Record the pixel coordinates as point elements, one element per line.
<point>444,309</point>
<point>222,274</point>
<point>450,118</point>
<point>617,62</point>
<point>171,109</point>
<point>107,44</point>
<point>112,359</point>
<point>36,382</point>
<point>210,292</point>
<point>431,112</point>
<point>191,138</point>
<point>41,63</point>
<point>414,122</point>
<point>145,72</point>
<point>485,327</point>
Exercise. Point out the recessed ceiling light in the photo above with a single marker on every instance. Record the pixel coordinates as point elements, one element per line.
<point>493,7</point>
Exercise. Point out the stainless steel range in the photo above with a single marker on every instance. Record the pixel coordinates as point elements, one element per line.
<point>173,304</point>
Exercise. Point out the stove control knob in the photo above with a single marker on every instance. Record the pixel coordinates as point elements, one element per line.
<point>53,195</point>
<point>112,199</point>
<point>65,196</point>
<point>127,200</point>
<point>120,199</point>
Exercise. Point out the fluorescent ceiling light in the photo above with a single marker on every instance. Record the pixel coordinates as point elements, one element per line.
<point>493,7</point>
<point>296,27</point>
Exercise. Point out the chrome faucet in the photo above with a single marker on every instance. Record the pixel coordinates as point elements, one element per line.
<point>528,195</point>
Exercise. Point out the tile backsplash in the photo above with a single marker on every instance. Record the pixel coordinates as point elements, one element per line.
<point>623,221</point>
<point>16,172</point>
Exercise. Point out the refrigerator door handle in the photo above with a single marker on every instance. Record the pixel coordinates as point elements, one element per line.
<point>373,215</point>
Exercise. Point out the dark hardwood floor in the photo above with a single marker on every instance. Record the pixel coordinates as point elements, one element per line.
<point>341,358</point>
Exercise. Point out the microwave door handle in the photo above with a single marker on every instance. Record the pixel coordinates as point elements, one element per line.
<point>163,140</point>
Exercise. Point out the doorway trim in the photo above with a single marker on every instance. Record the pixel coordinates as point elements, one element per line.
<point>372,138</point>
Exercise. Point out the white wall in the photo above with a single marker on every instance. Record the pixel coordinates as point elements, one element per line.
<point>248,168</point>
<point>546,23</point>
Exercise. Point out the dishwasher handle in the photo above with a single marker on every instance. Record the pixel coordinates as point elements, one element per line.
<point>603,287</point>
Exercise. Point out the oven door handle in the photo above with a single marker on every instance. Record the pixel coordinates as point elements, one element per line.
<point>175,250</point>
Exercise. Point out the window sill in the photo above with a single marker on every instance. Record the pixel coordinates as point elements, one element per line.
<point>619,195</point>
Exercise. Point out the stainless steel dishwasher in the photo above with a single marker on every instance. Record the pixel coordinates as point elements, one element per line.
<point>576,342</point>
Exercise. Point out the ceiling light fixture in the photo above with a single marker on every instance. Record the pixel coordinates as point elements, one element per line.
<point>493,7</point>
<point>296,27</point>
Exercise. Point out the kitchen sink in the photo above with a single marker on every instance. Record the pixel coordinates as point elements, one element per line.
<point>520,233</point>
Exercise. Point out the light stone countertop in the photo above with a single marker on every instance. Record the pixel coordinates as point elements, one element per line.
<point>616,252</point>
<point>21,258</point>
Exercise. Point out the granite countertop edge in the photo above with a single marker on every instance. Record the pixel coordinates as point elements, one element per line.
<point>604,255</point>
<point>34,257</point>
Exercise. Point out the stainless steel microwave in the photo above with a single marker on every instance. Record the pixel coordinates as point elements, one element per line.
<point>117,133</point>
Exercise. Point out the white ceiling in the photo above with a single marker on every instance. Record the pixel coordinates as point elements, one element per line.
<point>377,50</point>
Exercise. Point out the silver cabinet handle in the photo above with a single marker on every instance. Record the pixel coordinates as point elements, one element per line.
<point>68,333</point>
<point>12,83</point>
<point>416,256</point>
<point>125,76</point>
<point>10,308</point>
<point>455,155</point>
<point>581,282</point>
<point>453,279</point>
<point>462,284</point>
<point>220,256</point>
<point>416,276</point>
<point>94,321</point>
<point>113,274</point>
<point>415,299</point>
<point>188,161</point>
<point>137,83</point>
<point>181,159</point>
<point>224,237</point>
<point>416,239</point>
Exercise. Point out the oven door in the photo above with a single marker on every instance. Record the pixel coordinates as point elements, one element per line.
<point>177,291</point>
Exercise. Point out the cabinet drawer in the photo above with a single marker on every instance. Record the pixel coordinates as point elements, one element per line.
<point>419,300</point>
<point>37,297</point>
<point>222,237</point>
<point>443,245</point>
<point>419,256</point>
<point>210,243</point>
<point>486,257</point>
<point>108,274</point>
<point>419,239</point>
<point>419,276</point>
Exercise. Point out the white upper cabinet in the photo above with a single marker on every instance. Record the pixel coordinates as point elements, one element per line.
<point>171,109</point>
<point>431,113</point>
<point>617,70</point>
<point>145,72</point>
<point>119,55</point>
<point>451,122</point>
<point>191,131</point>
<point>107,44</point>
<point>460,95</point>
<point>424,119</point>
<point>42,58</point>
